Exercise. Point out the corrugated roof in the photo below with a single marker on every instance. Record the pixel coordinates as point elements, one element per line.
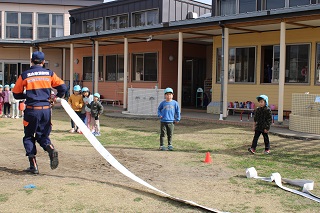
<point>56,2</point>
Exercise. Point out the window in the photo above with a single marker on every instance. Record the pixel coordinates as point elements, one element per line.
<point>275,4</point>
<point>93,25</point>
<point>145,67</point>
<point>145,18</point>
<point>247,6</point>
<point>242,62</point>
<point>318,64</point>
<point>297,63</point>
<point>0,25</point>
<point>270,59</point>
<point>115,67</point>
<point>293,3</point>
<point>50,25</point>
<point>117,22</point>
<point>19,25</point>
<point>229,7</point>
<point>87,68</point>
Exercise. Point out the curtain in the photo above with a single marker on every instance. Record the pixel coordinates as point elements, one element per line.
<point>227,7</point>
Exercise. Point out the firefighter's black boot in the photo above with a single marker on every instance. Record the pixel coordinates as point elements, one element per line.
<point>53,155</point>
<point>33,165</point>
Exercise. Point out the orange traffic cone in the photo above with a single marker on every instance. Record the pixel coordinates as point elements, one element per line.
<point>208,158</point>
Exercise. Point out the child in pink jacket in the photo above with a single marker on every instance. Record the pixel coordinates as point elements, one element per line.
<point>1,99</point>
<point>6,100</point>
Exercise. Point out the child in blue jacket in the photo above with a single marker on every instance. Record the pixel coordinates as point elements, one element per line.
<point>169,114</point>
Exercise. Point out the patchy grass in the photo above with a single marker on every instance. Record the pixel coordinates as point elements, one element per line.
<point>4,197</point>
<point>293,159</point>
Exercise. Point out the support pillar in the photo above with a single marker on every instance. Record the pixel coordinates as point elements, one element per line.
<point>226,72</point>
<point>180,59</point>
<point>96,66</point>
<point>71,69</point>
<point>125,73</point>
<point>282,70</point>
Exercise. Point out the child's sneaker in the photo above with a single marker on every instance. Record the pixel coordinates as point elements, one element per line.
<point>267,152</point>
<point>17,117</point>
<point>170,147</point>
<point>97,134</point>
<point>162,148</point>
<point>252,150</point>
<point>71,130</point>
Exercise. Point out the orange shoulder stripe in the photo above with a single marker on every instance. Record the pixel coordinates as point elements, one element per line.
<point>19,86</point>
<point>56,81</point>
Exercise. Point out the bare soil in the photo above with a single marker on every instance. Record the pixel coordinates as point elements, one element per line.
<point>85,182</point>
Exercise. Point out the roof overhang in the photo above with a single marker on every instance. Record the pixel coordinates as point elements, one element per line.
<point>200,31</point>
<point>79,3</point>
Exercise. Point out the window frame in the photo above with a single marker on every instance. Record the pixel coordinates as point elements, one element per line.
<point>117,76</point>
<point>1,25</point>
<point>276,63</point>
<point>145,14</point>
<point>237,8</point>
<point>317,65</point>
<point>19,25</point>
<point>134,65</point>
<point>260,5</point>
<point>50,26</point>
<point>84,25</point>
<point>107,26</point>
<point>309,62</point>
<point>100,68</point>
<point>218,79</point>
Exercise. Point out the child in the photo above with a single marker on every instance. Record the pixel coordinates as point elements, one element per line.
<point>1,99</point>
<point>96,110</point>
<point>6,101</point>
<point>14,104</point>
<point>76,102</point>
<point>169,113</point>
<point>262,123</point>
<point>87,98</point>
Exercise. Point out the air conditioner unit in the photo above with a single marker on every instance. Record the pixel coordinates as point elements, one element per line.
<point>191,15</point>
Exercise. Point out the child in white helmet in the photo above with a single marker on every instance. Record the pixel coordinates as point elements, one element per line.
<point>14,104</point>
<point>87,99</point>
<point>96,110</point>
<point>76,102</point>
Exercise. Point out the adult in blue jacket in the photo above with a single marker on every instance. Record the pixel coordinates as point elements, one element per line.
<point>35,86</point>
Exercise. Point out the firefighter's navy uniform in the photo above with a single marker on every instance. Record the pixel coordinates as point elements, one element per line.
<point>35,86</point>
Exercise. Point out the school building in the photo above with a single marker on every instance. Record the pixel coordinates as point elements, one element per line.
<point>233,49</point>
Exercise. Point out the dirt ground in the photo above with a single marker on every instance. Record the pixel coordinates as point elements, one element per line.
<point>85,182</point>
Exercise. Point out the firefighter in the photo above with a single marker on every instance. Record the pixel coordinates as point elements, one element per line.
<point>37,83</point>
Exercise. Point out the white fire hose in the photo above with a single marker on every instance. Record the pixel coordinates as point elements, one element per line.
<point>104,153</point>
<point>307,185</point>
